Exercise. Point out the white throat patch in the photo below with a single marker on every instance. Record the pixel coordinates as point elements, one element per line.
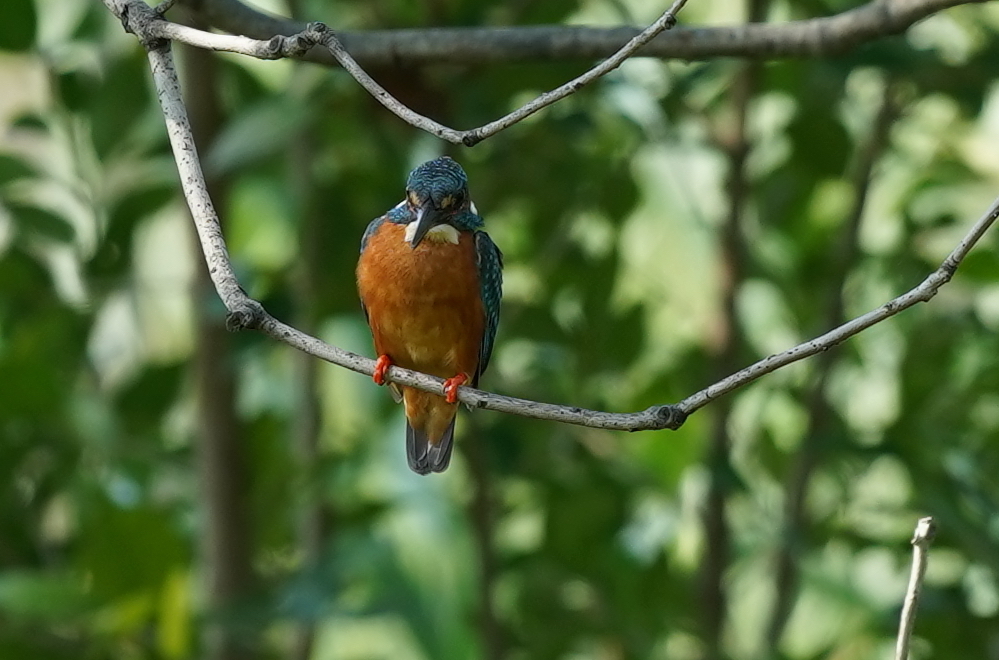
<point>438,234</point>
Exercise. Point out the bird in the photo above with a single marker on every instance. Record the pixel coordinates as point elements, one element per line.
<point>430,281</point>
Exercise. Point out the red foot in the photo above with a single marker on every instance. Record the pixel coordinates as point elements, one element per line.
<point>451,386</point>
<point>382,365</point>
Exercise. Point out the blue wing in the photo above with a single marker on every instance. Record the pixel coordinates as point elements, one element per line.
<point>490,262</point>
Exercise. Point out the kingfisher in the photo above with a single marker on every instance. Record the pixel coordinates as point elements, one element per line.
<point>430,282</point>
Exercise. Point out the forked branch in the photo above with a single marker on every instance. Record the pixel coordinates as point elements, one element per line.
<point>150,26</point>
<point>244,312</point>
<point>811,37</point>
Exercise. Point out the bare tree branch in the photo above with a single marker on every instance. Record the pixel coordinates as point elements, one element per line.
<point>244,312</point>
<point>150,26</point>
<point>274,48</point>
<point>922,293</point>
<point>926,529</point>
<point>476,135</point>
<point>471,46</point>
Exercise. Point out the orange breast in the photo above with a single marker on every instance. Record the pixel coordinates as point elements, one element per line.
<point>424,304</point>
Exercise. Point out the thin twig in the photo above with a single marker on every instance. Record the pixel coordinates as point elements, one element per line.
<point>244,312</point>
<point>664,22</point>
<point>274,48</point>
<point>320,34</point>
<point>150,26</point>
<point>922,293</point>
<point>813,37</point>
<point>882,17</point>
<point>926,530</point>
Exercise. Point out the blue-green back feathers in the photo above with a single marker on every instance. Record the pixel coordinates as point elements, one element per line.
<point>490,262</point>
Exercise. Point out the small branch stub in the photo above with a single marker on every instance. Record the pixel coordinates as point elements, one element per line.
<point>137,18</point>
<point>926,530</point>
<point>164,7</point>
<point>669,416</point>
<point>244,314</point>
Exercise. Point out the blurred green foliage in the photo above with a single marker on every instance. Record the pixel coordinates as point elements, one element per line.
<point>608,208</point>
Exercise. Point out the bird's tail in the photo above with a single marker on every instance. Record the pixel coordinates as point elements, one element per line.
<point>425,457</point>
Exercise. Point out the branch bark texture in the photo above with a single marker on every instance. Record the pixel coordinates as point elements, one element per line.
<point>474,46</point>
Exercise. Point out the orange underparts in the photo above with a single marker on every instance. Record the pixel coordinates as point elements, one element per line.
<point>381,367</point>
<point>451,386</point>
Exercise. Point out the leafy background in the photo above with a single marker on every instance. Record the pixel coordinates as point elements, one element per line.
<point>171,491</point>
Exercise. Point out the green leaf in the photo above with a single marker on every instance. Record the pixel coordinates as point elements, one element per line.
<point>114,254</point>
<point>12,168</point>
<point>17,24</point>
<point>128,551</point>
<point>144,401</point>
<point>44,596</point>
<point>30,120</point>
<point>42,222</point>
<point>114,99</point>
<point>254,135</point>
<point>981,266</point>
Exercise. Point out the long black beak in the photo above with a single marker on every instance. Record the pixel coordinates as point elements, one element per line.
<point>427,217</point>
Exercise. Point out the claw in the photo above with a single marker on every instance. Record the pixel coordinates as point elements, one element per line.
<point>382,365</point>
<point>451,386</point>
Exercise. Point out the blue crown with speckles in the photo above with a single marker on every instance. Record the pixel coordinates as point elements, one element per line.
<point>442,175</point>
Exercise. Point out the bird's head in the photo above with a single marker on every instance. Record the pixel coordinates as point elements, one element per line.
<point>437,193</point>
